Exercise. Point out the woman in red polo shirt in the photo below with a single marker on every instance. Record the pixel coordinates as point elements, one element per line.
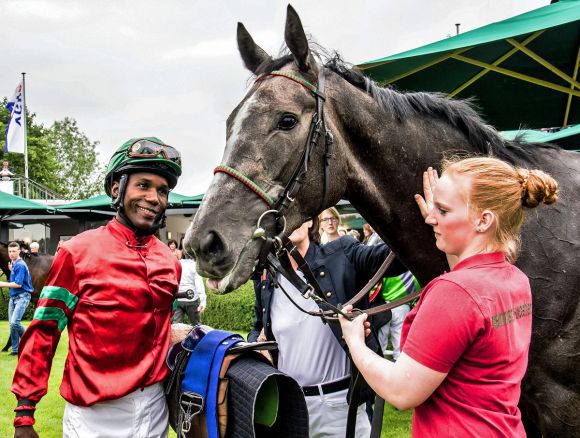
<point>465,345</point>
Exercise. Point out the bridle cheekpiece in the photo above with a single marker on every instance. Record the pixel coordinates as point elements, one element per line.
<point>317,129</point>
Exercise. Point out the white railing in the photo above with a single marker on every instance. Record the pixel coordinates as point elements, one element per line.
<point>35,190</point>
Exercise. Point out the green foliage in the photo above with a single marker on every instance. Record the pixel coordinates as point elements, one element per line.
<point>4,298</point>
<point>233,311</point>
<point>80,172</point>
<point>42,161</point>
<point>61,157</point>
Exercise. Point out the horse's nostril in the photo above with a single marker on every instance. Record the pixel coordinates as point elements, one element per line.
<point>212,245</point>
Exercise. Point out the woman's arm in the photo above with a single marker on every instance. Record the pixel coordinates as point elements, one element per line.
<point>405,384</point>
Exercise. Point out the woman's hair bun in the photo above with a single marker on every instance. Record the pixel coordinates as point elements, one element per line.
<point>537,187</point>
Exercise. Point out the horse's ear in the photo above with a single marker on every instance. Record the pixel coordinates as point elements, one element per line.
<point>252,54</point>
<point>296,40</point>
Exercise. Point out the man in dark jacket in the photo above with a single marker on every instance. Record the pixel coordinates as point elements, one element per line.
<point>310,351</point>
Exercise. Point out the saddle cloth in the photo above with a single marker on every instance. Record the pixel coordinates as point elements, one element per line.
<point>223,387</point>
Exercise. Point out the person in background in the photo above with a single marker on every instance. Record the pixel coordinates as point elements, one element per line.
<point>371,237</point>
<point>6,173</point>
<point>113,289</point>
<point>392,289</point>
<point>329,222</point>
<point>367,232</point>
<point>21,289</point>
<point>310,351</point>
<point>465,344</point>
<point>34,248</point>
<point>191,284</point>
<point>172,244</point>
<point>354,233</point>
<point>342,230</point>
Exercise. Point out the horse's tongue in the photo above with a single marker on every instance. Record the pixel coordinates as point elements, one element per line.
<point>212,283</point>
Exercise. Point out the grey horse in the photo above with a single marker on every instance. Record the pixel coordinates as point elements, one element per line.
<point>383,141</point>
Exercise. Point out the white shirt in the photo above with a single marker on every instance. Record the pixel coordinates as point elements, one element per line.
<point>191,280</point>
<point>375,239</point>
<point>308,351</point>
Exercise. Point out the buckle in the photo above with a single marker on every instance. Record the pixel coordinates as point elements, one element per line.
<point>309,292</point>
<point>190,405</point>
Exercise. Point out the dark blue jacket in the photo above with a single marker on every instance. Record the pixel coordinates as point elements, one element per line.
<point>342,267</point>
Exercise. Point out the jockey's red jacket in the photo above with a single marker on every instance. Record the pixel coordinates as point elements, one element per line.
<point>114,293</point>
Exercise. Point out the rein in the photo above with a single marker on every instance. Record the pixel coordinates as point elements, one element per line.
<point>311,289</point>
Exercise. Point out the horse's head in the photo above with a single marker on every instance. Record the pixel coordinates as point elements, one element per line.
<point>267,136</point>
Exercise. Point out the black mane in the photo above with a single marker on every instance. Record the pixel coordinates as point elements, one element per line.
<point>461,114</point>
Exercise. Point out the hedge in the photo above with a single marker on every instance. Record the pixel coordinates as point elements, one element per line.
<point>4,297</point>
<point>233,311</point>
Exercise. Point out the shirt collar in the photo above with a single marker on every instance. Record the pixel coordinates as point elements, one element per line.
<point>127,235</point>
<point>489,258</point>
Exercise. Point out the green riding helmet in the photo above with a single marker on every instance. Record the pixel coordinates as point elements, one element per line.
<point>147,154</point>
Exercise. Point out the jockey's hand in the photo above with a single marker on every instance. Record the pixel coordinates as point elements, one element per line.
<point>179,332</point>
<point>425,204</point>
<point>354,331</point>
<point>25,432</point>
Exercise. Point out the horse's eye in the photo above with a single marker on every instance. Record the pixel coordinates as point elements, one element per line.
<point>287,122</point>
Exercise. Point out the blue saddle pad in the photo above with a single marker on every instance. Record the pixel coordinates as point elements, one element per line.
<point>202,373</point>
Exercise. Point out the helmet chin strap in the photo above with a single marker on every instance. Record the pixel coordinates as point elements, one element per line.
<point>118,204</point>
<point>118,201</point>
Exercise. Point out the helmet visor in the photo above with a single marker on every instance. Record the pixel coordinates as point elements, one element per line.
<point>144,148</point>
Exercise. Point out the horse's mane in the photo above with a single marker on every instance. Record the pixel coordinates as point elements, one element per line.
<point>461,114</point>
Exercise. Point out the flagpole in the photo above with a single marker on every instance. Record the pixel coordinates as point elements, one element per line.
<point>25,136</point>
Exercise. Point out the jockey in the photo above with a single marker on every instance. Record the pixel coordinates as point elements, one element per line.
<point>113,289</point>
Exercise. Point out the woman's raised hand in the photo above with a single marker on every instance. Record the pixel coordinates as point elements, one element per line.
<point>430,178</point>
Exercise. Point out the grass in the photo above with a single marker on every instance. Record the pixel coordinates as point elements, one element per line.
<point>50,409</point>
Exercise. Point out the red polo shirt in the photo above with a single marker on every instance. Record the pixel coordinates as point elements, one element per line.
<point>473,323</point>
<point>114,293</point>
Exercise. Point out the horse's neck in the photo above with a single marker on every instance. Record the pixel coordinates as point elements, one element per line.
<point>4,260</point>
<point>385,160</point>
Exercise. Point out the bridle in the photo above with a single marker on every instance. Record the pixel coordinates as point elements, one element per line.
<point>317,130</point>
<point>275,252</point>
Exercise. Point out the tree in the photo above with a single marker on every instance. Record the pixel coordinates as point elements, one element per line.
<point>61,158</point>
<point>42,160</point>
<point>80,172</point>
